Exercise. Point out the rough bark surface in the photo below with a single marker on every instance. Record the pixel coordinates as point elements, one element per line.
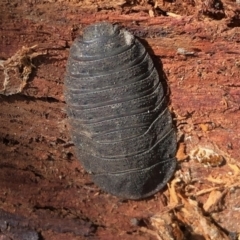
<point>45,193</point>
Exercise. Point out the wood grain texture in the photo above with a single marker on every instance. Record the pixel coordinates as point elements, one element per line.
<point>39,171</point>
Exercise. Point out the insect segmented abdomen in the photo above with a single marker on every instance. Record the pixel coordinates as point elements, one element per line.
<point>120,123</point>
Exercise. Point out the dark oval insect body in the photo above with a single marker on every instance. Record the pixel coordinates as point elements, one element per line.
<point>120,123</point>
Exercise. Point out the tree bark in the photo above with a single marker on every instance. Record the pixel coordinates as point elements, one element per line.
<point>43,185</point>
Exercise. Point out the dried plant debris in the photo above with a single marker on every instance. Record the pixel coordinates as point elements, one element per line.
<point>229,180</point>
<point>193,218</point>
<point>167,227</point>
<point>186,215</point>
<point>191,215</point>
<point>17,69</point>
<point>183,51</point>
<point>184,221</point>
<point>213,200</point>
<point>207,157</point>
<point>181,152</point>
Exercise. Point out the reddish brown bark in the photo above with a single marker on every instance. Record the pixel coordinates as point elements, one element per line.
<point>41,180</point>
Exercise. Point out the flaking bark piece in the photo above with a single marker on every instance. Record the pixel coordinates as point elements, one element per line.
<point>17,69</point>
